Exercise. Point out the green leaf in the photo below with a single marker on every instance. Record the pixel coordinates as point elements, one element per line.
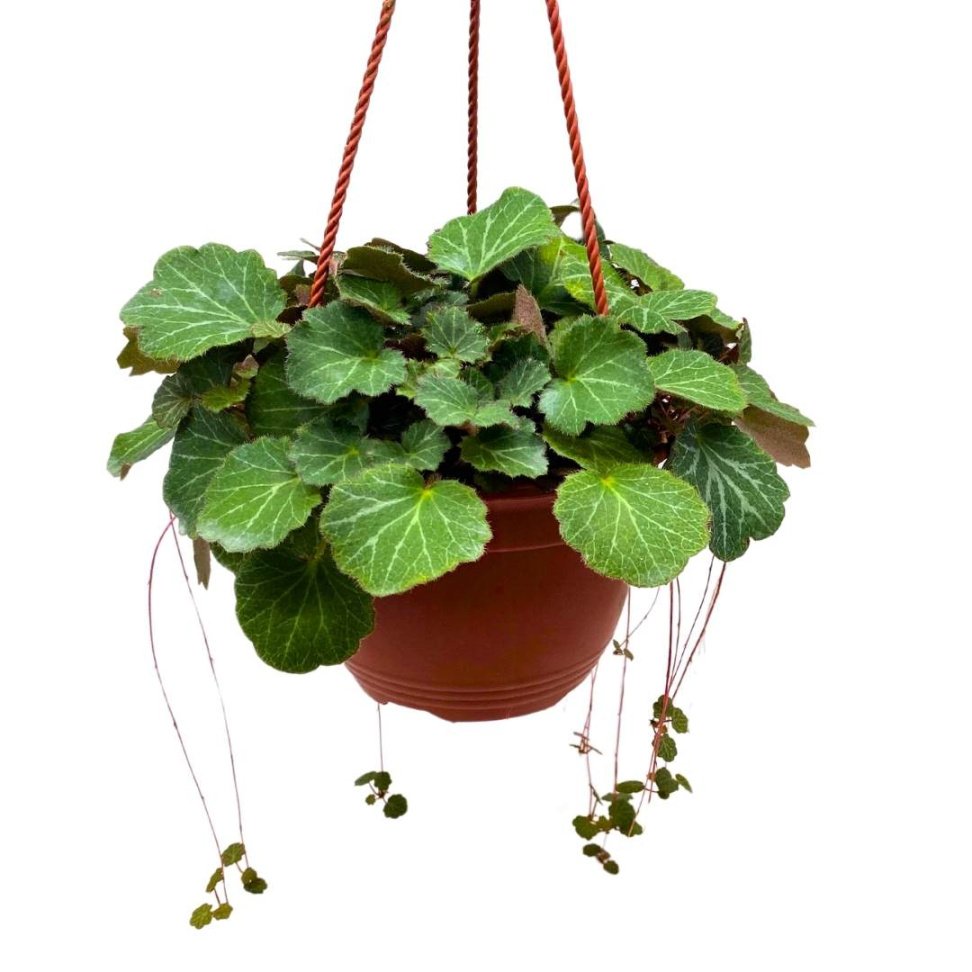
<point>525,378</point>
<point>255,498</point>
<point>452,333</point>
<point>233,854</point>
<point>371,799</point>
<point>202,916</point>
<point>622,814</point>
<point>631,786</point>
<point>391,531</point>
<point>201,299</point>
<point>252,882</point>
<point>759,394</point>
<point>471,246</point>
<point>338,349</point>
<point>586,827</point>
<point>665,783</point>
<point>696,377</point>
<point>636,523</point>
<point>300,614</point>
<point>599,448</point>
<point>273,407</point>
<point>365,778</point>
<point>680,305</point>
<point>542,272</point>
<point>395,806</point>
<point>201,445</point>
<point>424,445</point>
<point>383,299</point>
<point>415,371</point>
<point>382,780</point>
<point>384,263</point>
<point>737,480</point>
<point>223,911</point>
<point>216,879</point>
<point>602,374</point>
<point>667,749</point>
<point>131,447</point>
<point>591,850</point>
<point>514,452</point>
<point>611,866</point>
<point>683,782</point>
<point>452,401</point>
<point>680,721</point>
<point>327,452</point>
<point>222,397</point>
<point>640,265</point>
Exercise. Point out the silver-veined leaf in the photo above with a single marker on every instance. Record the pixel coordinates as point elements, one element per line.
<point>640,265</point>
<point>451,333</point>
<point>737,480</point>
<point>759,394</point>
<point>601,447</point>
<point>511,451</point>
<point>201,299</point>
<point>383,299</point>
<point>632,522</point>
<point>131,447</point>
<point>452,401</point>
<point>390,530</point>
<point>273,407</point>
<point>255,498</point>
<point>699,378</point>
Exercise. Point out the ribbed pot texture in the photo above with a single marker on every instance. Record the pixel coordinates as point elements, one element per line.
<point>509,634</point>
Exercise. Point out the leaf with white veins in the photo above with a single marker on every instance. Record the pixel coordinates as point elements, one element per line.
<point>452,401</point>
<point>633,522</point>
<point>200,447</point>
<point>471,246</point>
<point>759,394</point>
<point>602,374</point>
<point>513,452</point>
<point>256,498</point>
<point>131,447</point>
<point>338,349</point>
<point>383,299</point>
<point>300,613</point>
<point>521,383</point>
<point>273,407</point>
<point>452,333</point>
<point>201,299</point>
<point>390,531</point>
<point>737,480</point>
<point>599,448</point>
<point>696,377</point>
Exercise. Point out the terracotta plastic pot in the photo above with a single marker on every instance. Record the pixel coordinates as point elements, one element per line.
<point>509,634</point>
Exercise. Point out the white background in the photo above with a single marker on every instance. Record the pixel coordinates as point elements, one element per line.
<point>806,161</point>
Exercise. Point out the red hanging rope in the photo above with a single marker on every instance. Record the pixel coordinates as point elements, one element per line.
<point>588,219</point>
<point>472,167</point>
<point>350,151</point>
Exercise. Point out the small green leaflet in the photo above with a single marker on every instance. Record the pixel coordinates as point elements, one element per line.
<point>452,333</point>
<point>273,407</point>
<point>759,395</point>
<point>514,452</point>
<point>338,349</point>
<point>383,263</point>
<point>255,498</point>
<point>524,379</point>
<point>383,299</point>
<point>635,523</point>
<point>191,384</point>
<point>424,445</point>
<point>131,447</point>
<point>598,449</point>
<point>602,374</point>
<point>640,265</point>
<point>201,299</point>
<point>415,371</point>
<point>299,613</point>
<point>696,377</point>
<point>471,246</point>
<point>200,447</point>
<point>327,452</point>
<point>452,401</point>
<point>738,481</point>
<point>391,531</point>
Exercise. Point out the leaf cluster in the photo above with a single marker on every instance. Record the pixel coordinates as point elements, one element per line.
<point>335,453</point>
<point>379,783</point>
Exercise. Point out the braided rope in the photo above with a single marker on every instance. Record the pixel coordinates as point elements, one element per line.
<point>350,151</point>
<point>472,167</point>
<point>577,153</point>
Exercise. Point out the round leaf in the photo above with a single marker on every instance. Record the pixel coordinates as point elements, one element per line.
<point>634,522</point>
<point>391,531</point>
